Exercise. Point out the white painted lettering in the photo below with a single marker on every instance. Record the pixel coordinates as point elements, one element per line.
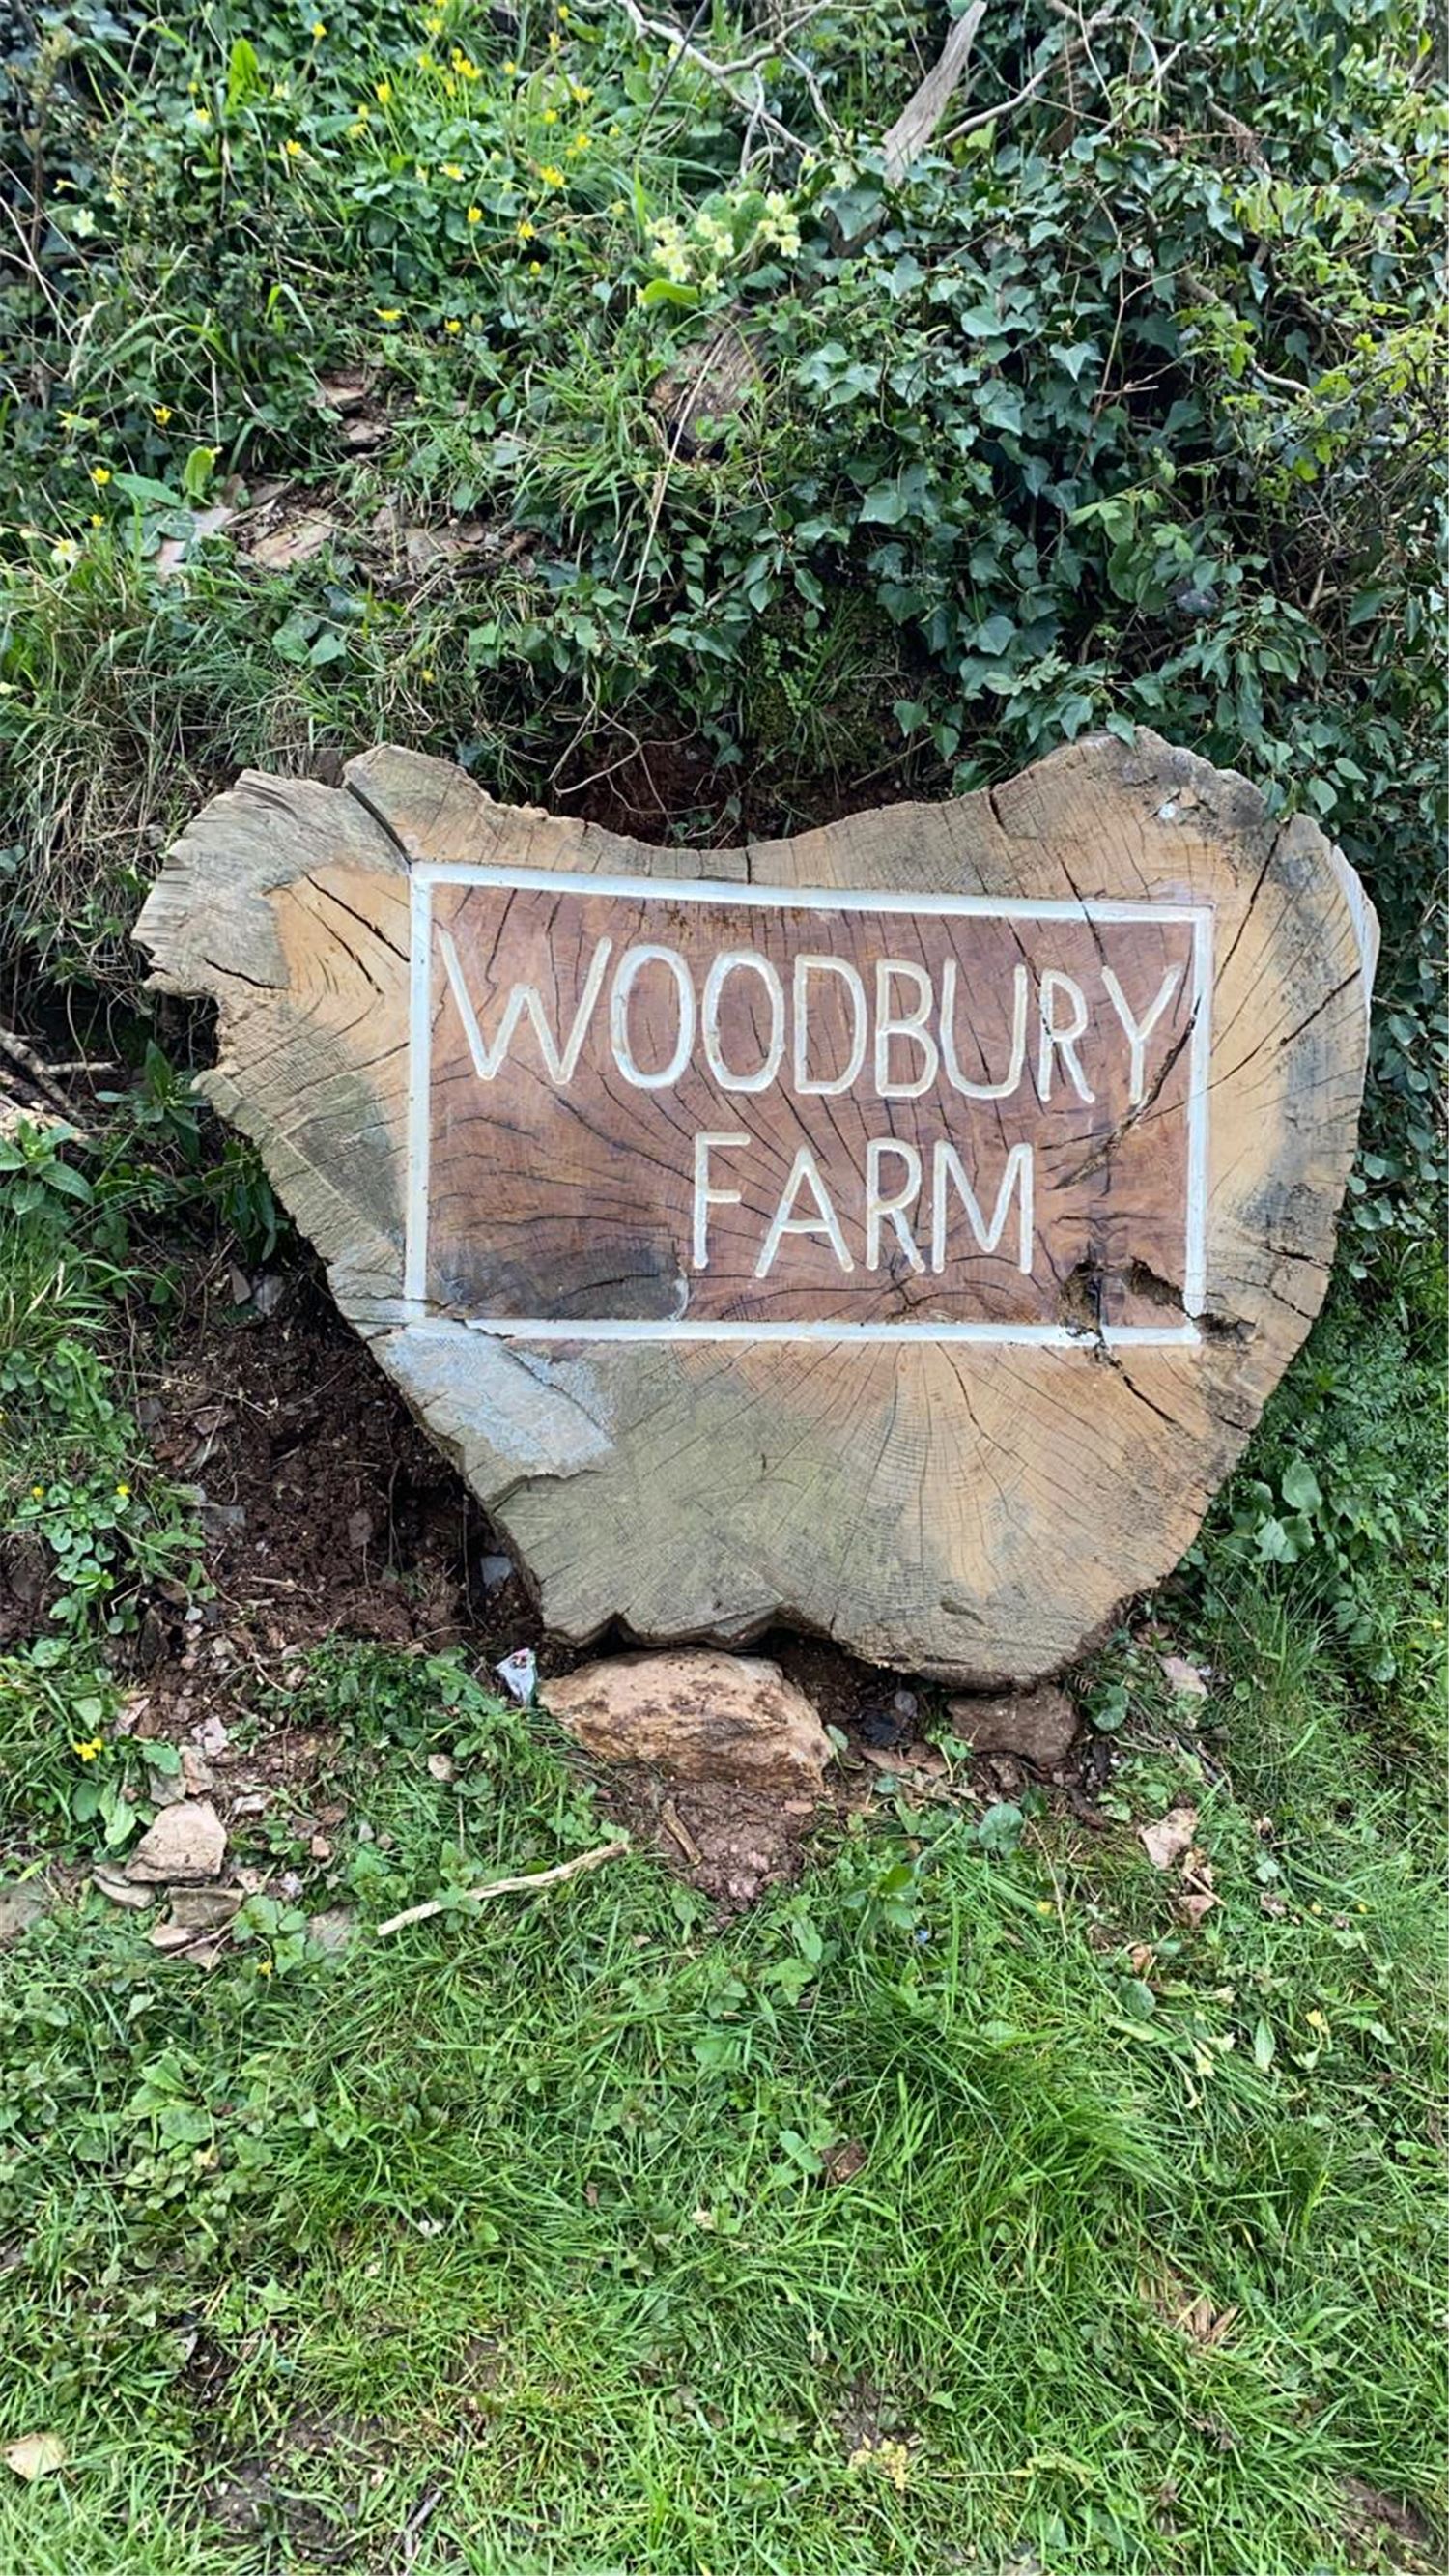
<point>950,974</point>
<point>631,965</point>
<point>743,961</point>
<point>1061,1041</point>
<point>1139,1031</point>
<point>805,1081</point>
<point>1017,1178</point>
<point>910,1025</point>
<point>523,1003</point>
<point>804,1174</point>
<point>704,1197</point>
<point>879,1207</point>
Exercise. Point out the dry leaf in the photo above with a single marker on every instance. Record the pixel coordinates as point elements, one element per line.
<point>36,2455</point>
<point>295,541</point>
<point>1170,1837</point>
<point>1184,1677</point>
<point>1205,2323</point>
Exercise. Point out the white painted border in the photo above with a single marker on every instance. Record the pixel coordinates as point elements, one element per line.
<point>721,891</point>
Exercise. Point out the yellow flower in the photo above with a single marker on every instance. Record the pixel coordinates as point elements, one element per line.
<point>382,92</point>
<point>161,413</point>
<point>550,116</point>
<point>318,31</point>
<point>453,170</point>
<point>37,1492</point>
<point>510,71</point>
<point>551,175</point>
<point>527,232</point>
<point>96,520</point>
<point>535,268</point>
<point>264,1967</point>
<point>428,678</point>
<point>564,17</point>
<point>93,1745</point>
<point>292,148</point>
<point>389,312</point>
<point>70,420</point>
<point>202,115</point>
<point>553,42</point>
<point>580,93</point>
<point>123,1493</point>
<point>100,476</point>
<point>475,215</point>
<point>580,143</point>
<point>426,62</point>
<point>452,327</point>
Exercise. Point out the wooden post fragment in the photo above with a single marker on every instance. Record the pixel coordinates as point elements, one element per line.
<point>896,1229</point>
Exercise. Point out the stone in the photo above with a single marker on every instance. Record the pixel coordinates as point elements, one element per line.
<point>187,1841</point>
<point>896,1228</point>
<point>1036,1726</point>
<point>696,1716</point>
<point>22,1902</point>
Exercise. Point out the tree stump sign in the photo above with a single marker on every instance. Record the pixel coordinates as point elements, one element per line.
<point>896,1229</point>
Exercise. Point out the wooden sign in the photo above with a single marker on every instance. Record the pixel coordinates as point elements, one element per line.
<point>896,1229</point>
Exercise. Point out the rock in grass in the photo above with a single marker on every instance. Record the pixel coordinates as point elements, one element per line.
<point>696,1716</point>
<point>187,1842</point>
<point>1038,1726</point>
<point>22,1902</point>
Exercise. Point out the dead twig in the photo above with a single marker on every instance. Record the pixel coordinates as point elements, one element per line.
<point>728,76</point>
<point>41,1074</point>
<point>1081,40</point>
<point>673,1823</point>
<point>506,1887</point>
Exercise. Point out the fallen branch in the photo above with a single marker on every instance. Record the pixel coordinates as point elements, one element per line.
<point>924,109</point>
<point>506,1887</point>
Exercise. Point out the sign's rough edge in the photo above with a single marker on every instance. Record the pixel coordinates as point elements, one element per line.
<point>639,1485</point>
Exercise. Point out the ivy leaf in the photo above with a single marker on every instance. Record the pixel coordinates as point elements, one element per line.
<point>1000,1829</point>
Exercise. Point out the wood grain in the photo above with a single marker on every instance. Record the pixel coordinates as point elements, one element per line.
<point>969,1507</point>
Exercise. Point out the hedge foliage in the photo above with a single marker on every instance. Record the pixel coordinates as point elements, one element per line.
<point>1119,405</point>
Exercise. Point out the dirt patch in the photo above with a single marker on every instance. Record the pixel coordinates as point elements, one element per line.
<point>326,1512</point>
<point>727,1842</point>
<point>1400,2537</point>
<point>323,1506</point>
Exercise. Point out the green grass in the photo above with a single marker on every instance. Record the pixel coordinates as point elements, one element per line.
<point>531,2214</point>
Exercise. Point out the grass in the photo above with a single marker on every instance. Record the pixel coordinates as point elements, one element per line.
<point>540,2219</point>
